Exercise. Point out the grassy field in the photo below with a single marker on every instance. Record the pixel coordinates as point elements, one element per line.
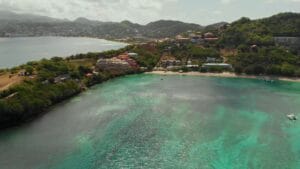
<point>7,80</point>
<point>82,62</point>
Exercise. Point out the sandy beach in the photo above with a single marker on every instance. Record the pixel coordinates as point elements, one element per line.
<point>225,74</point>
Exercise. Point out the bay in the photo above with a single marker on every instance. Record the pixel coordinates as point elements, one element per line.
<point>16,51</point>
<point>153,121</point>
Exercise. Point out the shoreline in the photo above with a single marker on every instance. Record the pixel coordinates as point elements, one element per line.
<point>226,75</point>
<point>91,37</point>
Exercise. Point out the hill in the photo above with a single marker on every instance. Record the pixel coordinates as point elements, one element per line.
<point>167,28</point>
<point>13,24</point>
<point>14,17</point>
<point>261,31</point>
<point>283,24</point>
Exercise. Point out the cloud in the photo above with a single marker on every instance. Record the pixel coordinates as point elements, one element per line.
<point>226,1</point>
<point>144,11</point>
<point>106,10</point>
<point>287,1</point>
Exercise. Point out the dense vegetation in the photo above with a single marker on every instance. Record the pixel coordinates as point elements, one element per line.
<point>266,60</point>
<point>260,32</point>
<point>258,53</point>
<point>51,81</point>
<point>284,24</point>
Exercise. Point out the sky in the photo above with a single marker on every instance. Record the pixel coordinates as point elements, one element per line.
<point>144,11</point>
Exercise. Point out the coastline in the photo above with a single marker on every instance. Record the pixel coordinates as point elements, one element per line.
<point>226,75</point>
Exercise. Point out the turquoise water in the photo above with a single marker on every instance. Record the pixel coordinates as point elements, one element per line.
<point>169,122</point>
<point>17,51</point>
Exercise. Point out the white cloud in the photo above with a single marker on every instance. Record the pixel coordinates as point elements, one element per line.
<point>226,1</point>
<point>106,10</point>
<point>144,11</point>
<point>273,1</point>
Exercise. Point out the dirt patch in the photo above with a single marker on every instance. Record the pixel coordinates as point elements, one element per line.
<point>228,52</point>
<point>7,80</point>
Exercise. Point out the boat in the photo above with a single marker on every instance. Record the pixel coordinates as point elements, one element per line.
<point>292,117</point>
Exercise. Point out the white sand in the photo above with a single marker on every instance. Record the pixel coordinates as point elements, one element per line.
<point>225,74</point>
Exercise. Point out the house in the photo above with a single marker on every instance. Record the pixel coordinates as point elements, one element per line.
<point>197,39</point>
<point>89,75</point>
<point>169,61</point>
<point>210,37</point>
<point>180,38</point>
<point>23,73</point>
<point>133,55</point>
<point>211,60</point>
<point>62,78</point>
<point>127,58</point>
<point>254,48</point>
<point>219,65</point>
<point>191,65</point>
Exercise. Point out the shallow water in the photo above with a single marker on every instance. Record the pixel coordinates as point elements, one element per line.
<point>142,121</point>
<point>16,51</point>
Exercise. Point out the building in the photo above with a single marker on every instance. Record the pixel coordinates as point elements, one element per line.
<point>180,38</point>
<point>169,61</point>
<point>219,65</point>
<point>190,65</point>
<point>133,55</point>
<point>210,37</point>
<point>197,39</point>
<point>127,57</point>
<point>62,78</point>
<point>121,63</point>
<point>113,65</point>
<point>211,60</point>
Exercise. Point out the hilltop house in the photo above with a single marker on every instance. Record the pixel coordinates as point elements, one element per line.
<point>210,37</point>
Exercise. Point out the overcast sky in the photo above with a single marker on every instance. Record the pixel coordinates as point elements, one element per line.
<point>144,11</point>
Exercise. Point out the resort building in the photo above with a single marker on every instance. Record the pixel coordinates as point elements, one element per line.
<point>113,64</point>
<point>122,63</point>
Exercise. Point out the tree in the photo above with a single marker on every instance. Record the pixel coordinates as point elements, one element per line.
<point>84,70</point>
<point>29,70</point>
<point>287,69</point>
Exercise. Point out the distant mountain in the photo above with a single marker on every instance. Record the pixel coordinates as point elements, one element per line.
<point>12,24</point>
<point>83,20</point>
<point>168,28</point>
<point>215,25</point>
<point>11,16</point>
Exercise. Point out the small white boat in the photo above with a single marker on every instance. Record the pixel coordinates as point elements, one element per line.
<point>292,117</point>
